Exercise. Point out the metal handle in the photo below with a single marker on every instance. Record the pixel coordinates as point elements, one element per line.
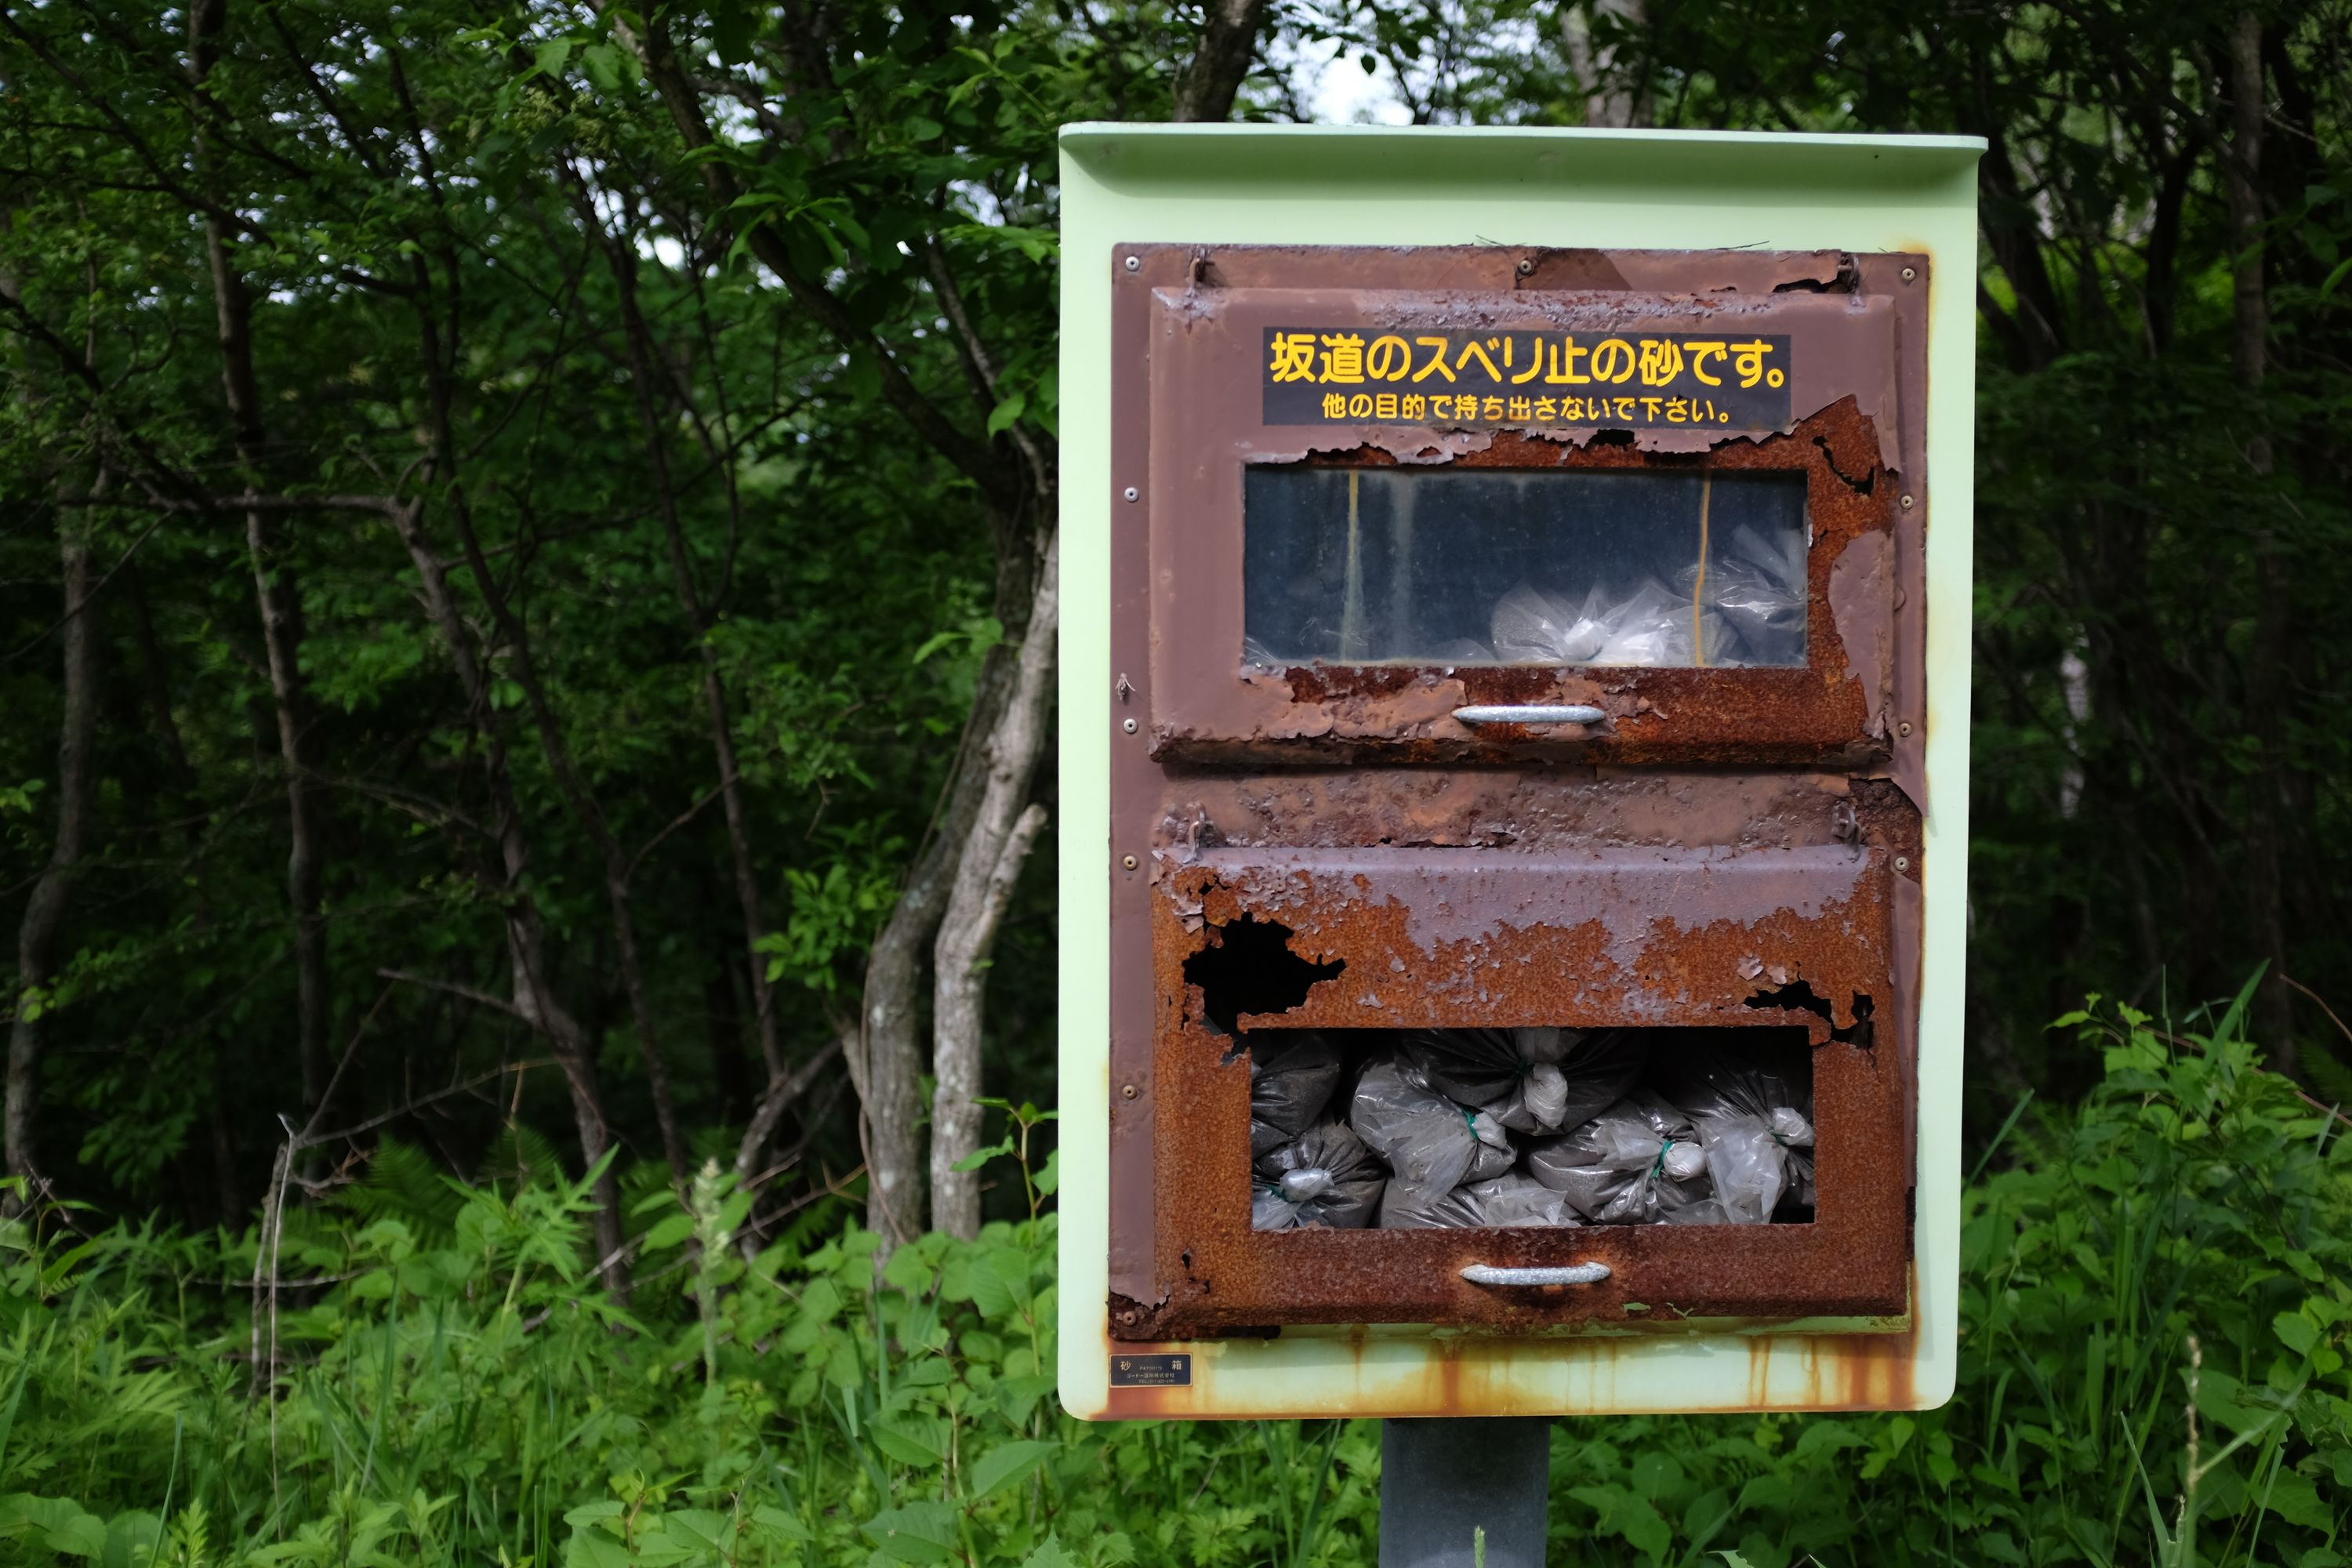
<point>1564,714</point>
<point>1576,1273</point>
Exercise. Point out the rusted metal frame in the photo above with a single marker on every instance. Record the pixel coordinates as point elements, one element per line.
<point>1887,828</point>
<point>1834,446</point>
<point>1219,1276</point>
<point>1504,268</point>
<point>1533,807</point>
<point>1437,937</point>
<point>1135,778</point>
<point>1819,712</point>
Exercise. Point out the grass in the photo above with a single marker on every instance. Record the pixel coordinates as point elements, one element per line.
<point>2153,1373</point>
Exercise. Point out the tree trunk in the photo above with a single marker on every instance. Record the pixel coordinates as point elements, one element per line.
<point>279,602</point>
<point>2265,879</point>
<point>988,863</point>
<point>590,814</point>
<point>622,259</point>
<point>723,1016</point>
<point>534,998</point>
<point>886,1066</point>
<point>230,1203</point>
<point>1228,42</point>
<point>1609,99</point>
<point>45,910</point>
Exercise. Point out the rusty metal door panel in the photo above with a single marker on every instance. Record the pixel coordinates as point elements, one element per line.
<point>1453,937</point>
<point>1443,938</point>
<point>1216,1275</point>
<point>1856,702</point>
<point>1726,848</point>
<point>1280,783</point>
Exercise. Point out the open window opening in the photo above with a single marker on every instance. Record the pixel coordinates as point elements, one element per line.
<point>1424,1129</point>
<point>1562,567</point>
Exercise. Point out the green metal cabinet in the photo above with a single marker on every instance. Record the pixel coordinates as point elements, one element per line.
<point>1324,391</point>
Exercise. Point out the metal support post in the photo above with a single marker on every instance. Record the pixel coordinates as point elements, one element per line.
<point>1442,1480</point>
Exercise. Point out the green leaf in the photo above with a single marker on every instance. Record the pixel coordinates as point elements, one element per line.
<point>913,1440</point>
<point>657,1546</point>
<point>548,58</point>
<point>1007,1463</point>
<point>918,1532</point>
<point>591,1548</point>
<point>1050,1554</point>
<point>935,642</point>
<point>732,26</point>
<point>707,1530</point>
<point>2227,1030</point>
<point>601,64</point>
<point>777,1523</point>
<point>82,1535</point>
<point>133,1539</point>
<point>670,1232</point>
<point>2295,1332</point>
<point>2293,1497</point>
<point>979,1157</point>
<point>1006,412</point>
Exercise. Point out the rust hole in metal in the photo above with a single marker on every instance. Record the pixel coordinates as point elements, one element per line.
<point>1248,967</point>
<point>1847,280</point>
<point>1800,996</point>
<point>1861,487</point>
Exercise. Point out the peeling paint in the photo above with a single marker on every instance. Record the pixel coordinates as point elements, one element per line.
<point>1210,708</point>
<point>1718,836</point>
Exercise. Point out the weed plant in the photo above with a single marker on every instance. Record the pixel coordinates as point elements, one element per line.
<point>2155,1309</point>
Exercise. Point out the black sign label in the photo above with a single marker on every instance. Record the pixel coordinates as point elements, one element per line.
<point>1152,1372</point>
<point>1630,380</point>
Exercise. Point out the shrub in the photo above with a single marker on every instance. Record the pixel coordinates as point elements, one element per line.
<point>2153,1370</point>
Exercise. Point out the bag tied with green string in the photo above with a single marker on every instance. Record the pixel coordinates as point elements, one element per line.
<point>1638,1162</point>
<point>1432,1145</point>
<point>1325,1176</point>
<point>1753,1115</point>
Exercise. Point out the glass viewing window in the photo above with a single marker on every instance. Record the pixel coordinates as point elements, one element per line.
<point>1553,566</point>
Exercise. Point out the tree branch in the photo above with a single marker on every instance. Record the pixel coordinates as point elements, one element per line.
<point>968,457</point>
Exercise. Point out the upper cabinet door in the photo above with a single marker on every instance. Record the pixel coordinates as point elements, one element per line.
<point>1447,505</point>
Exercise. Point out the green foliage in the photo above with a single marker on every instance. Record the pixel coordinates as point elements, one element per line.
<point>2155,1316</point>
<point>2155,1323</point>
<point>458,214</point>
<point>2162,529</point>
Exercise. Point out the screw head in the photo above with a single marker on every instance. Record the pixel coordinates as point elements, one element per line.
<point>1128,726</point>
<point>1127,1092</point>
<point>1133,494</point>
<point>1904,728</point>
<point>1129,862</point>
<point>1527,265</point>
<point>1134,264</point>
<point>1909,501</point>
<point>1903,862</point>
<point>1910,275</point>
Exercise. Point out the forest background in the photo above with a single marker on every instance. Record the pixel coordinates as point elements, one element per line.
<point>527,563</point>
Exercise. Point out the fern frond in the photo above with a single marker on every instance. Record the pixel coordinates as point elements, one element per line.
<point>402,1183</point>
